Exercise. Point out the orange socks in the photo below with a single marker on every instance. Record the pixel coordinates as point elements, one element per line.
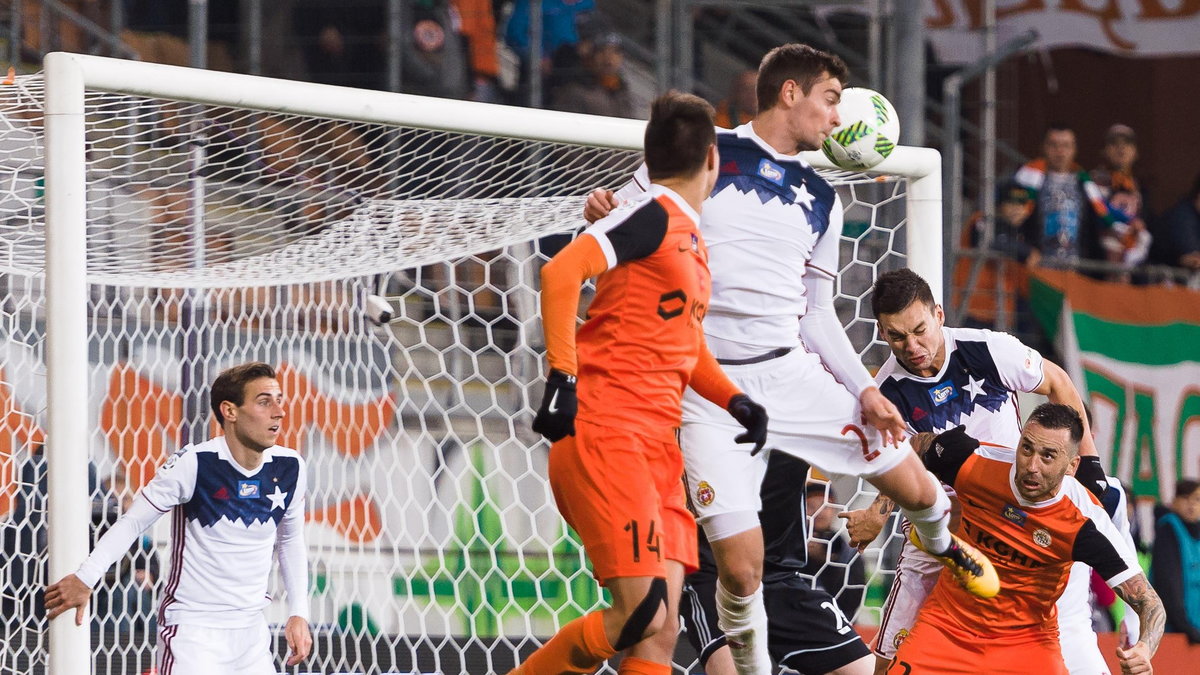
<point>635,666</point>
<point>579,647</point>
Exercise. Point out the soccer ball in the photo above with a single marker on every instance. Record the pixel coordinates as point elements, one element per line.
<point>869,132</point>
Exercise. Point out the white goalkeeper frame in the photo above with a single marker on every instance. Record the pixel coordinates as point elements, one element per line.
<point>67,77</point>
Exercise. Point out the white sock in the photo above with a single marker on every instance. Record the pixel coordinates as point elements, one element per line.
<point>933,523</point>
<point>744,622</point>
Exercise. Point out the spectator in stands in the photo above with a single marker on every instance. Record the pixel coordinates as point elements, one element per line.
<point>479,30</point>
<point>599,89</point>
<point>1177,240</point>
<point>560,20</point>
<point>341,42</point>
<point>741,104</point>
<point>832,562</point>
<point>1175,563</point>
<point>1069,213</point>
<point>1128,241</point>
<point>997,284</point>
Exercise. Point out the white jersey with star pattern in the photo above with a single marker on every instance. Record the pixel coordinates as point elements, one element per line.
<point>976,386</point>
<point>226,522</point>
<point>770,221</point>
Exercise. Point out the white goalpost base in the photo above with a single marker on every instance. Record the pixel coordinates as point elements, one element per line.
<point>192,220</point>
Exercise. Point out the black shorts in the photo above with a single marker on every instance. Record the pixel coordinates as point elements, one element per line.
<point>806,631</point>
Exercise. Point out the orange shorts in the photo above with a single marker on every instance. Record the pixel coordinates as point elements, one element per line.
<point>623,494</point>
<point>932,648</point>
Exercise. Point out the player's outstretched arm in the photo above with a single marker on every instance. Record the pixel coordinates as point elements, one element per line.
<point>1058,388</point>
<point>1140,595</point>
<point>299,640</point>
<point>864,525</point>
<point>713,384</point>
<point>65,594</point>
<point>600,201</point>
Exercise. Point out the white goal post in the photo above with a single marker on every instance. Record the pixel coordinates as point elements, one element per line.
<point>71,274</point>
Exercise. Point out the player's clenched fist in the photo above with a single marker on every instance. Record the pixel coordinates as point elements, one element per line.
<point>752,416</point>
<point>556,416</point>
<point>599,203</point>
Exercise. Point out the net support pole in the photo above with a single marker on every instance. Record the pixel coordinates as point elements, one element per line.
<point>924,231</point>
<point>68,511</point>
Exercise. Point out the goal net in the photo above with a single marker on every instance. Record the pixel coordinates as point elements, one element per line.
<point>382,250</point>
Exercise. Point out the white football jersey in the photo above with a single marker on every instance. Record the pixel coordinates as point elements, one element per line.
<point>771,220</point>
<point>976,386</point>
<point>224,526</point>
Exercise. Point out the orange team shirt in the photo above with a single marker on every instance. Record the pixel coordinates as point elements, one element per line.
<point>642,335</point>
<point>1032,546</point>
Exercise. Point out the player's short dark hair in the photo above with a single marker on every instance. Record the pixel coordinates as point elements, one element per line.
<point>1186,487</point>
<point>798,62</point>
<point>894,291</point>
<point>678,135</point>
<point>1058,416</point>
<point>230,385</point>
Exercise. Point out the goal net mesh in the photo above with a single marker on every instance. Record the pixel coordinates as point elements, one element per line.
<point>218,235</point>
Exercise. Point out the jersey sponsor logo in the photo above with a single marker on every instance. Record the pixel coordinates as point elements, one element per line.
<point>771,171</point>
<point>221,494</point>
<point>675,303</point>
<point>996,548</point>
<point>1041,537</point>
<point>248,489</point>
<point>705,494</point>
<point>1014,514</point>
<point>943,393</point>
<point>671,304</point>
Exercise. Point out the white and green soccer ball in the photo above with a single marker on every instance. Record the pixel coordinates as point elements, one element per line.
<point>869,132</point>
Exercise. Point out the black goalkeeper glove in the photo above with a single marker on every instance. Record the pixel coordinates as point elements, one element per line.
<point>556,416</point>
<point>752,416</point>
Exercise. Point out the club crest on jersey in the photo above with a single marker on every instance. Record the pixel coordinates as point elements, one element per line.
<point>941,393</point>
<point>1041,537</point>
<point>695,244</point>
<point>771,171</point>
<point>705,494</point>
<point>248,489</point>
<point>1014,514</point>
<point>900,636</point>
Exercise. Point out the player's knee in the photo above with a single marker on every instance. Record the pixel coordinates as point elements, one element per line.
<point>741,576</point>
<point>646,618</point>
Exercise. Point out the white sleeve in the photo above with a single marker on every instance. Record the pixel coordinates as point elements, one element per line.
<point>1020,366</point>
<point>116,542</point>
<point>292,552</point>
<point>1131,621</point>
<point>638,183</point>
<point>171,486</point>
<point>820,328</point>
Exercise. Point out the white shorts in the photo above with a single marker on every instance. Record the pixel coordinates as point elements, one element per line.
<point>812,416</point>
<point>916,574</point>
<point>199,650</point>
<point>1080,650</point>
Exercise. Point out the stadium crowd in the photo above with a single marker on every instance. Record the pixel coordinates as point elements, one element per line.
<point>1051,212</point>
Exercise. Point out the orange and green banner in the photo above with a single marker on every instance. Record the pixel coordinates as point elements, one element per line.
<point>1135,353</point>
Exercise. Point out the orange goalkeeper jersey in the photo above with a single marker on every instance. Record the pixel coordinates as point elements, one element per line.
<point>1032,546</point>
<point>641,343</point>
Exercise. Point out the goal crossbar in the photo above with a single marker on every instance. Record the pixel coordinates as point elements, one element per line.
<point>68,76</point>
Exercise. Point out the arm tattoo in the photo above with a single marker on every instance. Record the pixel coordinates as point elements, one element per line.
<point>885,505</point>
<point>1141,597</point>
